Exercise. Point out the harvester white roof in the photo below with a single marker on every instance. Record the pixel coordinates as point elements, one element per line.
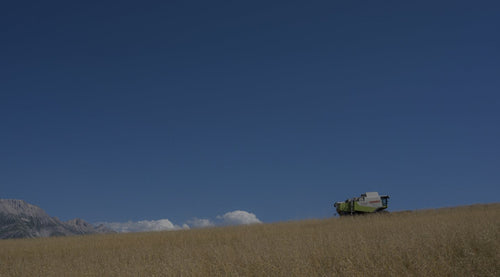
<point>372,194</point>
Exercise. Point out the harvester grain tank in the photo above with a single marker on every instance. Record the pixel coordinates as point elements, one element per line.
<point>369,202</point>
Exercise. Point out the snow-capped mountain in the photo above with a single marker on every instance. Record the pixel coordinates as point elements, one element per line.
<point>19,219</point>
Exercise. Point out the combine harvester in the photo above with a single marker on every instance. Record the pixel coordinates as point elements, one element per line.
<point>367,203</point>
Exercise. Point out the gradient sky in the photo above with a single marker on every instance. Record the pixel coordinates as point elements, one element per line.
<point>182,109</point>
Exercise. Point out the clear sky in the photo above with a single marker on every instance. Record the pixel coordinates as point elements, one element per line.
<point>138,110</point>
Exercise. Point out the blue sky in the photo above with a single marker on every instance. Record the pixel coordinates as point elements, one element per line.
<point>191,109</point>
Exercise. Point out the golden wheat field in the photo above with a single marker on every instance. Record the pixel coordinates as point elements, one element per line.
<point>461,241</point>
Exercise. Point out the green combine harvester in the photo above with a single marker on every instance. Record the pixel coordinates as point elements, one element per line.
<point>370,202</point>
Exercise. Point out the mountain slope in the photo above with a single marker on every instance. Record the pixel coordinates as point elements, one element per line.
<point>19,219</point>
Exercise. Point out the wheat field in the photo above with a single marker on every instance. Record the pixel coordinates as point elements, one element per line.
<point>460,241</point>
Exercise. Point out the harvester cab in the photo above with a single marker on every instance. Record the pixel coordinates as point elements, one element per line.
<point>369,202</point>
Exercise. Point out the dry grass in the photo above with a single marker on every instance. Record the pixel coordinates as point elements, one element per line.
<point>461,241</point>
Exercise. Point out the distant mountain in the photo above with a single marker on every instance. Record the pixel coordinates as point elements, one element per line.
<point>19,219</point>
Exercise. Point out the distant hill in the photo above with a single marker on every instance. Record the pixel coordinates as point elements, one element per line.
<point>19,219</point>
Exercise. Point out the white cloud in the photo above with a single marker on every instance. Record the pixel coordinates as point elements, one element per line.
<point>200,223</point>
<point>143,226</point>
<point>239,217</point>
<point>231,218</point>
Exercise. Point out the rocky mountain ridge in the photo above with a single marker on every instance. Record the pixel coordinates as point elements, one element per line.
<point>19,219</point>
